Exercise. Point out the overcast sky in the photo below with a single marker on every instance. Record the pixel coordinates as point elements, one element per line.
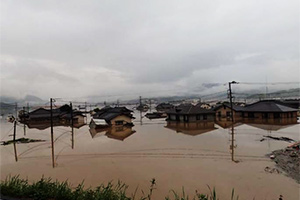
<point>82,48</point>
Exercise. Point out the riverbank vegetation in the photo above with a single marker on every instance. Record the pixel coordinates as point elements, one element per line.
<point>46,189</point>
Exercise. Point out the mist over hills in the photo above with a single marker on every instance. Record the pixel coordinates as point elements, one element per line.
<point>31,99</point>
<point>238,95</point>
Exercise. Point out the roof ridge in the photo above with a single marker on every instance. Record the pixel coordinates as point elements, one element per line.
<point>190,109</point>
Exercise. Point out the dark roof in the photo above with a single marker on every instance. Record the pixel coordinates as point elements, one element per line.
<point>109,113</point>
<point>268,106</point>
<point>108,116</point>
<point>75,113</point>
<point>189,110</point>
<point>293,103</point>
<point>114,110</point>
<point>234,107</point>
<point>164,106</point>
<point>63,111</point>
<point>44,113</point>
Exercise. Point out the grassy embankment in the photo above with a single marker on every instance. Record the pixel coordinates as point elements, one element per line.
<point>46,189</point>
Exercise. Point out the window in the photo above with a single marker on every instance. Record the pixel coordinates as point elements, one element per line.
<point>119,122</point>
<point>186,118</point>
<point>197,117</point>
<point>265,115</point>
<point>250,115</point>
<point>204,116</point>
<point>276,115</point>
<point>228,114</point>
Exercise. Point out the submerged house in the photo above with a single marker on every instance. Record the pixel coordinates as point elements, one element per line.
<point>163,107</point>
<point>143,107</point>
<point>190,113</point>
<point>62,113</point>
<point>109,116</point>
<point>223,111</point>
<point>78,117</point>
<point>261,110</point>
<point>268,109</point>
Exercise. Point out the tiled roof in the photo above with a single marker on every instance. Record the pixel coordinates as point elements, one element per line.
<point>267,106</point>
<point>189,109</point>
<point>109,113</point>
<point>234,107</point>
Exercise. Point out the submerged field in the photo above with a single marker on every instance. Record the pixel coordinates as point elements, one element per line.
<point>175,157</point>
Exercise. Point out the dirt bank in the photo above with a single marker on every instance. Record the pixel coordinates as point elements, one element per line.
<point>288,160</point>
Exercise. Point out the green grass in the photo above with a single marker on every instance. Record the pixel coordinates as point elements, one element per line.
<point>47,189</point>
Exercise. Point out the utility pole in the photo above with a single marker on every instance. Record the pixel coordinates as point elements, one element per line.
<point>52,137</point>
<point>85,112</point>
<point>230,98</point>
<point>232,120</point>
<point>141,114</point>
<point>24,121</point>
<point>16,108</point>
<point>150,105</point>
<point>27,107</point>
<point>72,125</point>
<point>14,139</point>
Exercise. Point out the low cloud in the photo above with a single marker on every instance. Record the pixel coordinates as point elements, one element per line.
<point>76,48</point>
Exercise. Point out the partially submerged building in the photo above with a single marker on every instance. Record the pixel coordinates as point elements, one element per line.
<point>108,116</point>
<point>223,111</point>
<point>268,109</point>
<point>190,113</point>
<point>62,113</point>
<point>163,107</point>
<point>142,107</point>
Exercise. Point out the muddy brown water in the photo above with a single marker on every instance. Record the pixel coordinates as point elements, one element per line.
<point>177,156</point>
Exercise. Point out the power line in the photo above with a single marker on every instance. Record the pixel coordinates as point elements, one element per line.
<point>269,83</point>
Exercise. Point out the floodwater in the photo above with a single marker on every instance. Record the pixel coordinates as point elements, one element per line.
<point>176,155</point>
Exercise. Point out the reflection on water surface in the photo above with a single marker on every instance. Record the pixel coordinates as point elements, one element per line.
<point>115,132</point>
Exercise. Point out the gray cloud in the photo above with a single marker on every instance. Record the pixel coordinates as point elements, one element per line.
<point>112,46</point>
